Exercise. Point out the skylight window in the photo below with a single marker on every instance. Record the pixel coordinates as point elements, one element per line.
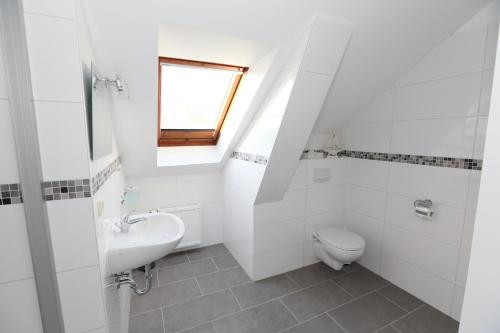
<point>194,99</point>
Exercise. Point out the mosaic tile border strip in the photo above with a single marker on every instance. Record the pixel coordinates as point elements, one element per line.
<point>437,161</point>
<point>66,189</point>
<point>10,194</point>
<point>102,176</point>
<point>252,158</point>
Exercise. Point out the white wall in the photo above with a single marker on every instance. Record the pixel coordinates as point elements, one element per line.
<point>439,108</point>
<point>482,295</point>
<point>56,70</point>
<point>282,229</point>
<point>19,311</point>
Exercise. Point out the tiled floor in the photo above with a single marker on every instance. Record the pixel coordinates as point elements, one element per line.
<point>206,291</point>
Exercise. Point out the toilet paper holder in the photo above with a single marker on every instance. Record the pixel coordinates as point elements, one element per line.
<point>423,209</point>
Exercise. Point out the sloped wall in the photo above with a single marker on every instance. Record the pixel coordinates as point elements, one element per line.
<point>440,108</point>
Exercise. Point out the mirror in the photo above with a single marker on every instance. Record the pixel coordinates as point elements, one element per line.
<point>97,104</point>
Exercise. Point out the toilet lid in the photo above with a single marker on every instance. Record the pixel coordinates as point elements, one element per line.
<point>341,238</point>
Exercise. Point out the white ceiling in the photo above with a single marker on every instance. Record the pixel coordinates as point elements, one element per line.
<point>390,37</point>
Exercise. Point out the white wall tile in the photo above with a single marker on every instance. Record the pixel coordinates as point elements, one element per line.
<point>423,252</point>
<point>292,206</point>
<point>458,298</point>
<point>14,244</point>
<point>486,86</point>
<point>366,201</point>
<point>4,90</point>
<point>491,46</point>
<point>63,139</point>
<point>61,8</point>
<point>54,58</point>
<point>368,173</point>
<point>212,213</point>
<point>482,123</point>
<point>431,289</point>
<point>212,234</point>
<point>458,54</point>
<point>371,230</point>
<point>436,137</point>
<point>299,180</point>
<point>276,262</point>
<point>8,162</point>
<point>373,137</point>
<point>315,222</point>
<point>280,235</point>
<point>203,191</point>
<point>309,92</point>
<point>463,267</point>
<point>326,45</point>
<point>468,232</point>
<point>72,230</point>
<point>325,199</point>
<point>318,140</point>
<point>473,193</point>
<point>445,185</point>
<point>19,310</point>
<point>162,195</point>
<point>446,226</point>
<point>338,171</point>
<point>308,256</point>
<point>82,303</point>
<point>452,97</point>
<point>380,110</point>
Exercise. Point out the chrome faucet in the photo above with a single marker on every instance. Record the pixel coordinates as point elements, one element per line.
<point>126,222</point>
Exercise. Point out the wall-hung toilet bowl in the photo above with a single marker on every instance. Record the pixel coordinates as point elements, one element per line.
<point>337,247</point>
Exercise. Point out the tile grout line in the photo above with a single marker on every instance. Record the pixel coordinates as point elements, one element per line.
<point>289,311</point>
<point>335,320</point>
<point>393,302</point>
<point>400,318</point>
<point>162,319</point>
<point>236,298</point>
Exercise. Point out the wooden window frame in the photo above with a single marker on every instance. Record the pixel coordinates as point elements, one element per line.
<point>196,137</point>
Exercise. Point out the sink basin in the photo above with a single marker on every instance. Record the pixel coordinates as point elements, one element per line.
<point>144,242</point>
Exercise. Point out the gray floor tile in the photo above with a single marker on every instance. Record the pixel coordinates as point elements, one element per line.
<point>314,300</point>
<point>367,314</point>
<point>258,292</point>
<point>361,282</point>
<point>205,328</point>
<point>427,320</point>
<point>225,261</point>
<point>270,317</point>
<point>405,300</point>
<point>312,274</point>
<point>198,311</point>
<point>150,322</point>
<point>388,329</point>
<point>164,295</point>
<point>172,259</point>
<point>185,271</point>
<point>222,279</point>
<point>321,324</point>
<point>207,252</point>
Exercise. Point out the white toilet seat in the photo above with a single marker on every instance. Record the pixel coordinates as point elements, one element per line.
<point>341,239</point>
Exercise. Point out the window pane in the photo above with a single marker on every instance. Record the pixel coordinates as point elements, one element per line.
<point>192,98</point>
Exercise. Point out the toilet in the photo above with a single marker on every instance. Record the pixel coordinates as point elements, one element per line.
<point>337,247</point>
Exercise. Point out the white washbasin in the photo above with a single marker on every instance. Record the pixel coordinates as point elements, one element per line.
<point>145,241</point>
